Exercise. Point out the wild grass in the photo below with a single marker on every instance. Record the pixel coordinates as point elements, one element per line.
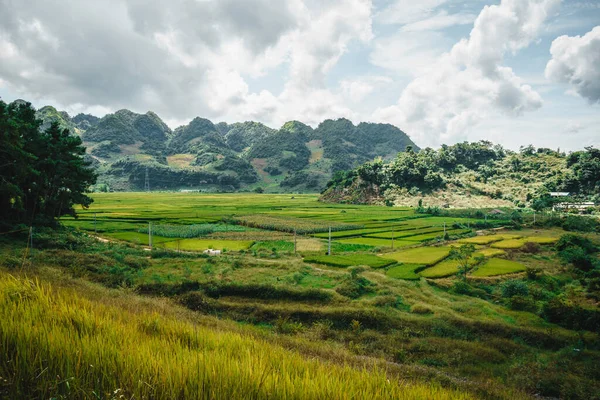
<point>498,266</point>
<point>57,344</point>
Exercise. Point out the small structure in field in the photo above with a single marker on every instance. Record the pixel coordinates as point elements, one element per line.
<point>212,252</point>
<point>560,194</point>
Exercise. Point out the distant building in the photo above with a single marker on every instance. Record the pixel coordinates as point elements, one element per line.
<point>560,194</point>
<point>581,206</point>
<point>496,212</point>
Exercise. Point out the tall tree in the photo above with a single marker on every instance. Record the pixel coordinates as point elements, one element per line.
<point>43,174</point>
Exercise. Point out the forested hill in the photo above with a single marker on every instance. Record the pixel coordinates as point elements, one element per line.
<point>472,175</point>
<point>224,157</point>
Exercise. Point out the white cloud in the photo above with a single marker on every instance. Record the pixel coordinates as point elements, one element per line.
<point>576,61</point>
<point>357,89</point>
<point>439,21</point>
<point>470,82</point>
<point>190,58</point>
<point>407,11</point>
<point>409,53</point>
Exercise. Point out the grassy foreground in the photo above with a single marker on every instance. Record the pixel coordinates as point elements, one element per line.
<point>58,344</point>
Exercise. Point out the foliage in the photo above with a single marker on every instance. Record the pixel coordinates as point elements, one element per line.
<point>43,174</point>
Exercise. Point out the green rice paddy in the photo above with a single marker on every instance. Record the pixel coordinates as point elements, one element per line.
<point>350,260</point>
<point>498,266</point>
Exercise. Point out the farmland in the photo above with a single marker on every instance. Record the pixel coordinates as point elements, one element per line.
<point>385,305</point>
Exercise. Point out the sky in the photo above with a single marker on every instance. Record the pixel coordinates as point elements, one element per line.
<point>515,72</point>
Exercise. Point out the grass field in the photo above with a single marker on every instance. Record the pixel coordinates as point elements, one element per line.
<point>498,266</point>
<point>95,350</point>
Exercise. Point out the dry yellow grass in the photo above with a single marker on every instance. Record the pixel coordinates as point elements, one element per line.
<point>57,344</point>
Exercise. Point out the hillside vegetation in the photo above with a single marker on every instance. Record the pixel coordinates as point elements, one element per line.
<point>471,175</point>
<point>223,157</point>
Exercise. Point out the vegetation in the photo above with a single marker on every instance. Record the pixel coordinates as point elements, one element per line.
<point>43,173</point>
<point>470,173</point>
<point>509,335</point>
<point>350,260</point>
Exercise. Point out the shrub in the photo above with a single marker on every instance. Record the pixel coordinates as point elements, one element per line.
<point>514,288</point>
<point>531,248</point>
<point>579,223</point>
<point>285,326</point>
<point>578,257</point>
<point>571,240</point>
<point>522,303</point>
<point>388,301</point>
<point>355,287</point>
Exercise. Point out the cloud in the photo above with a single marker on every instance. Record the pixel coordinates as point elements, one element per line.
<point>573,127</point>
<point>185,59</point>
<point>439,21</point>
<point>470,82</point>
<point>409,53</point>
<point>407,11</point>
<point>357,89</point>
<point>575,61</point>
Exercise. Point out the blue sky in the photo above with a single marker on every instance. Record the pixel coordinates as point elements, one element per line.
<point>513,71</point>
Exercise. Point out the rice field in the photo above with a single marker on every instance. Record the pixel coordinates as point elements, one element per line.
<point>509,244</point>
<point>350,260</point>
<point>441,270</point>
<point>498,266</point>
<point>405,271</point>
<point>420,255</point>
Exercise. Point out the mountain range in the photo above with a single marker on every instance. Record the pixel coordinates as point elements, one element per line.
<point>202,155</point>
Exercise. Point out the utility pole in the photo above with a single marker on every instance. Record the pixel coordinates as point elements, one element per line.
<point>534,217</point>
<point>294,241</point>
<point>329,243</point>
<point>95,229</point>
<point>150,235</point>
<point>444,229</point>
<point>147,182</point>
<point>31,238</point>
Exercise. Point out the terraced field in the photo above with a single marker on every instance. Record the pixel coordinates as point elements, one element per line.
<point>407,243</point>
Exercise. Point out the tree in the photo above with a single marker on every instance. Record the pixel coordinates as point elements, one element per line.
<point>463,255</point>
<point>44,173</point>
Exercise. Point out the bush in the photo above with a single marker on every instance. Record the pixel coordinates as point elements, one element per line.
<point>565,313</point>
<point>571,240</point>
<point>578,257</point>
<point>531,248</point>
<point>580,223</point>
<point>355,287</point>
<point>514,288</point>
<point>522,303</point>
